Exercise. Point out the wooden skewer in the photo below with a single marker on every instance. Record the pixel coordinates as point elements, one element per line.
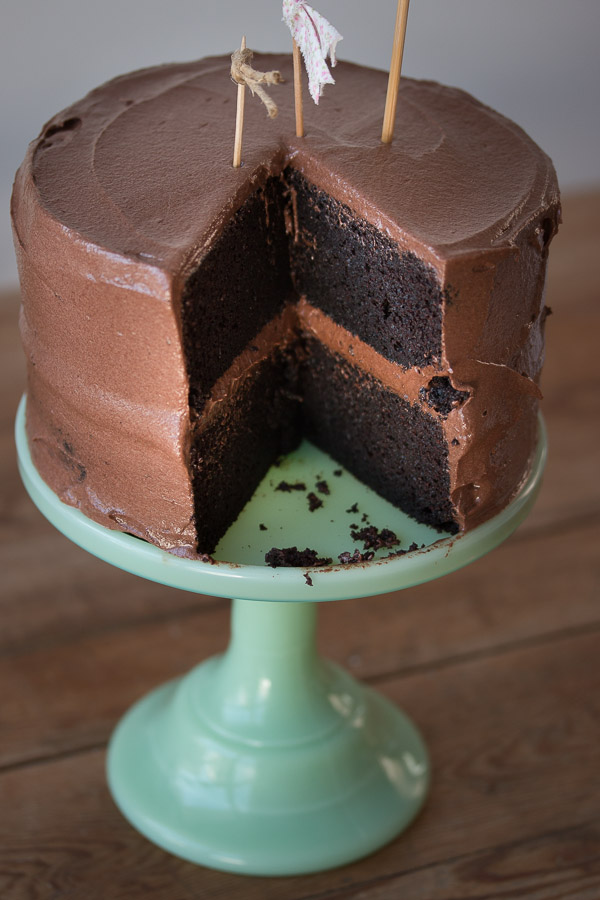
<point>391,99</point>
<point>298,91</point>
<point>239,119</point>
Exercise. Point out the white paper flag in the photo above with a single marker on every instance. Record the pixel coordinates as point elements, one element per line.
<point>316,38</point>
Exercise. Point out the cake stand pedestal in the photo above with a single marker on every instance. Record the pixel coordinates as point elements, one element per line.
<point>268,760</point>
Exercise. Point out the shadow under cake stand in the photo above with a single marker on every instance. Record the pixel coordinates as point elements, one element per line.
<point>267,759</point>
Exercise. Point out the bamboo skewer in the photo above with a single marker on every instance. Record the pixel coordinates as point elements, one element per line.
<point>239,119</point>
<point>298,91</point>
<point>389,115</point>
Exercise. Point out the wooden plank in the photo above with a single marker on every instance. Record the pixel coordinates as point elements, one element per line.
<point>571,485</point>
<point>12,361</point>
<point>526,590</point>
<point>68,695</point>
<point>572,280</point>
<point>53,591</point>
<point>571,378</point>
<point>514,743</point>
<point>562,865</point>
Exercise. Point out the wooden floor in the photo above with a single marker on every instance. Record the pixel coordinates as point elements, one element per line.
<point>499,665</point>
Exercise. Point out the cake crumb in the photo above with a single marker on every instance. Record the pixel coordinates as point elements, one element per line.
<point>207,558</point>
<point>262,527</point>
<point>347,558</point>
<point>290,556</point>
<point>288,488</point>
<point>353,508</point>
<point>322,487</point>
<point>314,502</point>
<point>308,579</point>
<point>413,546</point>
<point>338,473</point>
<point>374,539</point>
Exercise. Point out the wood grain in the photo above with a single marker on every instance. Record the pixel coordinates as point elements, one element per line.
<point>556,866</point>
<point>498,664</point>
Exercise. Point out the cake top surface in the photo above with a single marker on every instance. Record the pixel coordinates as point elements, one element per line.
<point>141,166</point>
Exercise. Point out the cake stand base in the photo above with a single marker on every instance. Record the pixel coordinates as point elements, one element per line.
<point>268,760</point>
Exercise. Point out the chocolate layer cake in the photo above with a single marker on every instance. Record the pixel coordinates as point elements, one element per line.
<point>186,322</point>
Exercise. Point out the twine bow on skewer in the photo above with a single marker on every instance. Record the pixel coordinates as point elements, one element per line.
<point>243,73</point>
<point>245,76</point>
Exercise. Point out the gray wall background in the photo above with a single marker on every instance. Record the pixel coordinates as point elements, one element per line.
<point>536,61</point>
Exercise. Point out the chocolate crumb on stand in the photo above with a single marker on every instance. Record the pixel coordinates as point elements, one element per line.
<point>287,488</point>
<point>292,557</point>
<point>414,546</point>
<point>314,502</point>
<point>374,539</point>
<point>347,558</point>
<point>207,558</point>
<point>322,487</point>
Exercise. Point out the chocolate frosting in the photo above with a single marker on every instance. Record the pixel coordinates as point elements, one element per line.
<point>123,193</point>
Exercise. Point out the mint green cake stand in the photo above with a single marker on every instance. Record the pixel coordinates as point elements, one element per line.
<point>267,759</point>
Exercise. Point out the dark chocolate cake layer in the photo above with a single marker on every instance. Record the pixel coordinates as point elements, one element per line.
<point>238,442</point>
<point>358,276</point>
<point>240,285</point>
<point>393,446</point>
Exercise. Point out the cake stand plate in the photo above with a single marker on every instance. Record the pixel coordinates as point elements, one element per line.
<point>267,759</point>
